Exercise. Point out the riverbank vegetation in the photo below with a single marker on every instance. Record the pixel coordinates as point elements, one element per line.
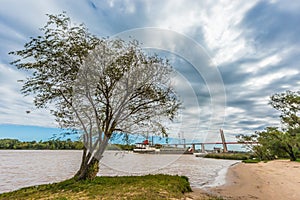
<point>251,161</point>
<point>230,156</point>
<point>131,187</point>
<point>275,142</point>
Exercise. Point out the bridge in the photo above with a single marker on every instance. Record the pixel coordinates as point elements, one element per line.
<point>202,144</point>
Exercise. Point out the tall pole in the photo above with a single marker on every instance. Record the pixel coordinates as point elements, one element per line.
<point>152,141</point>
<point>223,141</point>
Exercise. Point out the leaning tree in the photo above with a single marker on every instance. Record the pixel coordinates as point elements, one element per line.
<point>97,86</point>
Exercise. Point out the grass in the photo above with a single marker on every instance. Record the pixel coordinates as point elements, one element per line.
<point>251,161</point>
<point>129,187</point>
<point>257,160</point>
<point>297,160</point>
<point>229,156</point>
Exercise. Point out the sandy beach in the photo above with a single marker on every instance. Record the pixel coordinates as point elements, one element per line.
<point>276,180</point>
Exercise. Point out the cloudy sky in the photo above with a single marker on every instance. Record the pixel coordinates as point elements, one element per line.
<point>229,56</point>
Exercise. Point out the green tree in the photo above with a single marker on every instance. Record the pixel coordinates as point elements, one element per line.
<point>288,104</point>
<point>98,87</point>
<point>273,142</point>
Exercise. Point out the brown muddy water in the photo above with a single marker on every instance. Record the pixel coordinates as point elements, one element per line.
<point>22,168</point>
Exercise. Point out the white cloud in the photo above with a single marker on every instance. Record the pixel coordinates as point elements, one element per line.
<point>261,64</point>
<point>260,82</point>
<point>218,22</point>
<point>234,111</point>
<point>221,32</point>
<point>14,106</point>
<point>28,13</point>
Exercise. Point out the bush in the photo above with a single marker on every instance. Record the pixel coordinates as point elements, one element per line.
<point>229,156</point>
<point>251,161</point>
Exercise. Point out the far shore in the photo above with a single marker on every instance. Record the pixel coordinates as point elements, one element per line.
<point>276,180</point>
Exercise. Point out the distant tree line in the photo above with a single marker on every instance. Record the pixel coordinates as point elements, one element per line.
<point>50,144</point>
<point>123,147</point>
<point>55,144</point>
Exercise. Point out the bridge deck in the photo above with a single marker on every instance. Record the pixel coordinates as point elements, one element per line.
<point>200,143</point>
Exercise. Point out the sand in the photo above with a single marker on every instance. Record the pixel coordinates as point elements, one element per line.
<point>275,180</point>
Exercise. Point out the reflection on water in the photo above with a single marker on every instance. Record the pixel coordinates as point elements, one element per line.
<point>21,168</point>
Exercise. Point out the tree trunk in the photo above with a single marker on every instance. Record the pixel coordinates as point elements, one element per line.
<point>291,153</point>
<point>82,172</point>
<point>90,165</point>
<point>88,171</point>
<point>83,161</point>
<point>292,156</point>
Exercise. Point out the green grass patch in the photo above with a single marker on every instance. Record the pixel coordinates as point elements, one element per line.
<point>251,161</point>
<point>129,187</point>
<point>229,156</point>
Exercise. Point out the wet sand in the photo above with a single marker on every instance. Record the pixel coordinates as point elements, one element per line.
<point>275,180</point>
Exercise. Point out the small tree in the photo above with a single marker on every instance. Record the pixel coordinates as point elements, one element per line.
<point>98,87</point>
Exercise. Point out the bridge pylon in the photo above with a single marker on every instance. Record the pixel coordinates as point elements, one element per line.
<point>225,150</point>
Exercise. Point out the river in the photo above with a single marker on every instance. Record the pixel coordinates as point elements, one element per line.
<point>22,168</point>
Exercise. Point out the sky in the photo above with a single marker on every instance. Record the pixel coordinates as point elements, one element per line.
<point>229,58</point>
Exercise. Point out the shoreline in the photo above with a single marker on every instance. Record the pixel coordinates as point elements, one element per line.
<point>279,179</point>
<point>220,180</point>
